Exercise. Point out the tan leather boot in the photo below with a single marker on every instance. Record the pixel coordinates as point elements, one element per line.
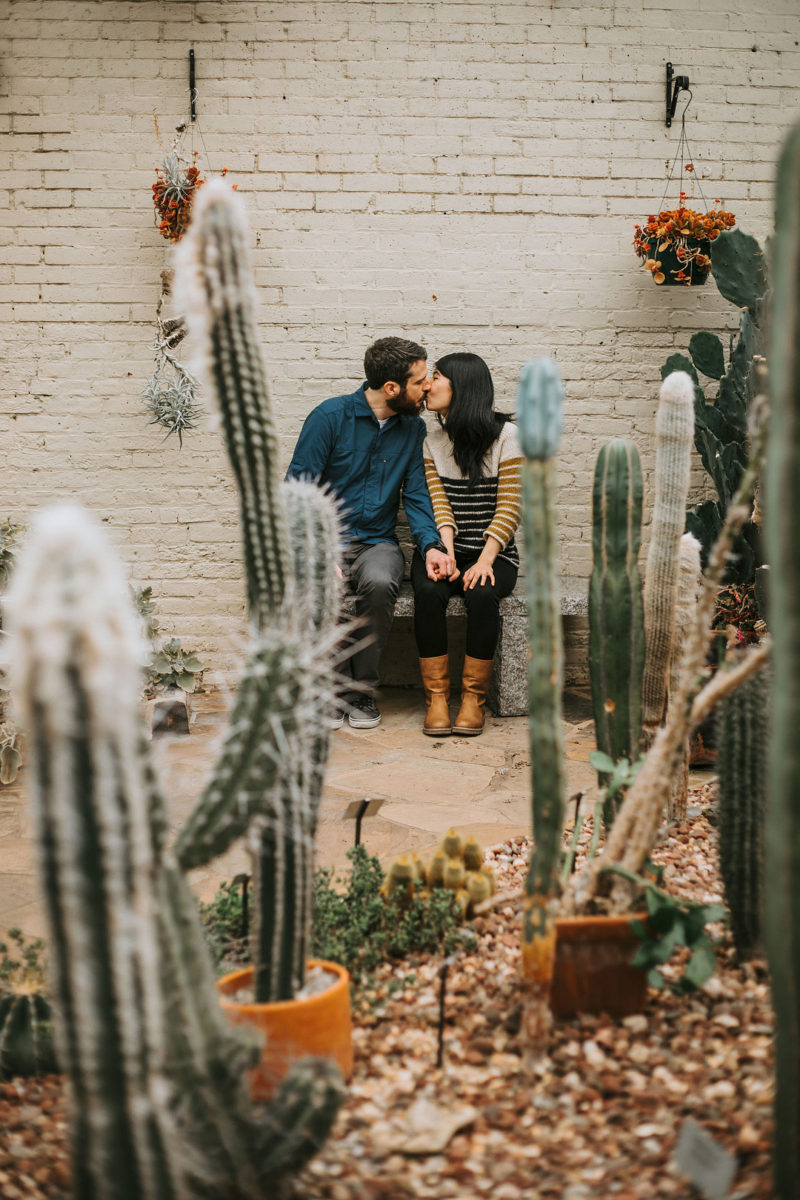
<point>474,686</point>
<point>436,681</point>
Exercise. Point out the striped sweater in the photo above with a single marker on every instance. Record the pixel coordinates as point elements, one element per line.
<point>493,507</point>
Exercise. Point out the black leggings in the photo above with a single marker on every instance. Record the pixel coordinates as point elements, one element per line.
<point>483,607</point>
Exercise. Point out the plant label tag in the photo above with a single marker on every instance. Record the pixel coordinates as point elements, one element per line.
<point>709,1167</point>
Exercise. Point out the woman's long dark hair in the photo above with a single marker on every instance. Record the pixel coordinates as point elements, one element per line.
<point>471,422</point>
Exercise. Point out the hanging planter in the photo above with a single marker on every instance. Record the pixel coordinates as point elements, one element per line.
<point>675,245</point>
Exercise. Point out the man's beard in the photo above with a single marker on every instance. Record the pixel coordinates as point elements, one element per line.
<point>402,405</point>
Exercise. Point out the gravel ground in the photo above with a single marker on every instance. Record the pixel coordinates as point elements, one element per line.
<point>598,1117</point>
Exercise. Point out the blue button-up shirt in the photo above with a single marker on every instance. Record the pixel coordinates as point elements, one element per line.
<point>369,467</point>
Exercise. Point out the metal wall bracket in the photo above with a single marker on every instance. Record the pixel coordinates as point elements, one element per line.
<point>675,84</point>
<point>193,89</point>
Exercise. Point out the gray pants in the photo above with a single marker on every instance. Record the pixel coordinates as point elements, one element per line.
<point>373,574</point>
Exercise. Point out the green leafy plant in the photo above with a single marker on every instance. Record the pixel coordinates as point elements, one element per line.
<point>171,667</point>
<point>618,775</point>
<point>223,921</point>
<point>674,923</point>
<point>360,929</point>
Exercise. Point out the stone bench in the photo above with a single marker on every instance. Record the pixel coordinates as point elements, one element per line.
<point>508,691</point>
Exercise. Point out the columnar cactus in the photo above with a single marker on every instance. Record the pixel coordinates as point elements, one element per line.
<point>743,735</point>
<point>158,1076</point>
<point>616,623</point>
<point>685,617</point>
<point>674,427</point>
<point>270,771</point>
<point>540,418</point>
<point>783,553</point>
<point>160,1106</point>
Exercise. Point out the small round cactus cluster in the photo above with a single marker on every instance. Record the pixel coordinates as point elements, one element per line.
<point>457,866</point>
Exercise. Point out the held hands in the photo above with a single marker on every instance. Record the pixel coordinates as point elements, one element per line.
<point>441,566</point>
<point>479,572</point>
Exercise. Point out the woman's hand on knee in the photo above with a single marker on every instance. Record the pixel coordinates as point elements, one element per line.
<point>478,573</point>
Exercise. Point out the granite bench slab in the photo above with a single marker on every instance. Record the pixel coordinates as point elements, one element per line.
<point>508,691</point>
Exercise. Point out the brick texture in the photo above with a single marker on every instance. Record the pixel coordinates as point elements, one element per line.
<point>465,173</point>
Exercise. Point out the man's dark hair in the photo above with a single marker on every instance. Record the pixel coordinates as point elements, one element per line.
<point>389,361</point>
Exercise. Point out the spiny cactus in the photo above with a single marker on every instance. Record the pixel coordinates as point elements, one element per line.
<point>158,1076</point>
<point>269,775</point>
<point>457,866</point>
<point>738,266</point>
<point>540,418</point>
<point>783,553</point>
<point>616,622</point>
<point>743,734</point>
<point>674,426</point>
<point>26,1018</point>
<point>685,616</point>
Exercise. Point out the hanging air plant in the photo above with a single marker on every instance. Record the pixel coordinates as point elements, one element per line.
<point>173,194</point>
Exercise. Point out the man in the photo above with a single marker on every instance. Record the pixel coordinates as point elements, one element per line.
<point>368,448</point>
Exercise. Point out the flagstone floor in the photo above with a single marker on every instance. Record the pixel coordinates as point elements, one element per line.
<point>479,784</point>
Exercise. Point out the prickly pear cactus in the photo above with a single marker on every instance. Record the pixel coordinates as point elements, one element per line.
<point>783,553</point>
<point>616,621</point>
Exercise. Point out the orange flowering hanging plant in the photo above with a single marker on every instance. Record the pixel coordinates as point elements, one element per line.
<point>679,240</point>
<point>173,193</point>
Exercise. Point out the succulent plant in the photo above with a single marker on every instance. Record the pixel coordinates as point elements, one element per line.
<point>738,266</point>
<point>540,416</point>
<point>743,735</point>
<point>26,1018</point>
<point>616,621</point>
<point>674,424</point>
<point>783,553</point>
<point>162,1107</point>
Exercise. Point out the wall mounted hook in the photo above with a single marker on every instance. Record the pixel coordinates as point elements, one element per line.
<point>676,84</point>
<point>193,89</point>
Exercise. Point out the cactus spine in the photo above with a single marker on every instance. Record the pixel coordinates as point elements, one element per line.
<point>674,428</point>
<point>743,730</point>
<point>160,1106</point>
<point>616,622</point>
<point>685,617</point>
<point>783,553</point>
<point>269,776</point>
<point>540,417</point>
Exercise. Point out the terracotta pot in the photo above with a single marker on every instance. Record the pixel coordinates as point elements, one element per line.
<point>292,1029</point>
<point>593,971</point>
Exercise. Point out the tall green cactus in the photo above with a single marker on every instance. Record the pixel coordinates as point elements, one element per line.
<point>540,418</point>
<point>269,775</point>
<point>783,553</point>
<point>674,425</point>
<point>160,1106</point>
<point>161,1109</point>
<point>743,734</point>
<point>616,622</point>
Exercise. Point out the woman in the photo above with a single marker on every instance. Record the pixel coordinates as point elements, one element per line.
<point>472,466</point>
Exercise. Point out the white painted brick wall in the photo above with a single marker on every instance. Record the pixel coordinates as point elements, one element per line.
<point>465,173</point>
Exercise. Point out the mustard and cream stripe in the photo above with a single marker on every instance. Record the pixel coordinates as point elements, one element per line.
<point>492,507</point>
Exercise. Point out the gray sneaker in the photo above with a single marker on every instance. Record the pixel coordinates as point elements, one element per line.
<point>364,713</point>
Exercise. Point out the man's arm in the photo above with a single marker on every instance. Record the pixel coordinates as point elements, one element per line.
<point>313,447</point>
